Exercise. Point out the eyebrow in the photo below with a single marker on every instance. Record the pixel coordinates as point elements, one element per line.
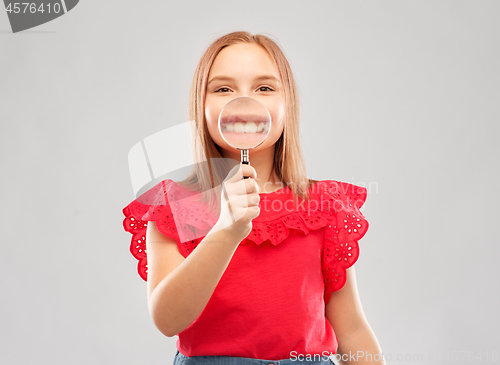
<point>258,78</point>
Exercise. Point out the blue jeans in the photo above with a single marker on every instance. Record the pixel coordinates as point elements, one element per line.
<point>181,359</point>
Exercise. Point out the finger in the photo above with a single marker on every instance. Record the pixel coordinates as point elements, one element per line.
<point>234,175</point>
<point>253,200</point>
<point>252,186</point>
<point>248,170</point>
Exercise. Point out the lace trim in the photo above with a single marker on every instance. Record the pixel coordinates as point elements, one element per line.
<point>137,228</point>
<point>337,211</point>
<point>342,234</point>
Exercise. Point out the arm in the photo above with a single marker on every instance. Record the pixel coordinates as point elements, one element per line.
<point>353,331</point>
<point>179,288</point>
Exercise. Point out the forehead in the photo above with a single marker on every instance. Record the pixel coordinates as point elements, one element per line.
<point>243,60</point>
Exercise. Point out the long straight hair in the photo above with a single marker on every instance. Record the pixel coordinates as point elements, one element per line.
<point>288,163</point>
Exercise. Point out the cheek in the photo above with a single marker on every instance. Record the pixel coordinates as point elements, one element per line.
<point>210,113</point>
<point>278,115</point>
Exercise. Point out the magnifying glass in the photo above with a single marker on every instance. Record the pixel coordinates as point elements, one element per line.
<point>244,123</point>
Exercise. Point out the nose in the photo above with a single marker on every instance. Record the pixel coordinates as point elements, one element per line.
<point>244,94</point>
<point>250,99</point>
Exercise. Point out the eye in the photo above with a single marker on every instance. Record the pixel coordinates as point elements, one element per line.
<point>221,90</point>
<point>265,87</point>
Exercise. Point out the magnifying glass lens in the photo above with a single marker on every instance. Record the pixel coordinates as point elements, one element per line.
<point>244,123</point>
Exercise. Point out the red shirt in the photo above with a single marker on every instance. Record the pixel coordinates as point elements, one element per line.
<point>271,299</point>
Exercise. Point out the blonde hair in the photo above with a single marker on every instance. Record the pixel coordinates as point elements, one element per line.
<point>288,162</point>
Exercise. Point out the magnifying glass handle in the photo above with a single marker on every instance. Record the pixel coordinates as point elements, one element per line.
<point>244,159</point>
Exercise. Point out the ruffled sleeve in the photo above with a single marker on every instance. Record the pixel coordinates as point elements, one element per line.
<point>177,214</point>
<point>346,226</point>
<point>151,206</point>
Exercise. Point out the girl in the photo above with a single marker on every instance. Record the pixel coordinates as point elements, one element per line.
<point>256,270</point>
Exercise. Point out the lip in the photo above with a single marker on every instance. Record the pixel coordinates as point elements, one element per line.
<point>243,118</point>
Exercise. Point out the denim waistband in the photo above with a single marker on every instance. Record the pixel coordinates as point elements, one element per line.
<point>181,359</point>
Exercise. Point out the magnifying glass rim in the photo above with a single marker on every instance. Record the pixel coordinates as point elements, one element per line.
<point>268,130</point>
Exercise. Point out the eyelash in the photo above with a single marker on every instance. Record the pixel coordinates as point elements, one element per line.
<point>228,88</point>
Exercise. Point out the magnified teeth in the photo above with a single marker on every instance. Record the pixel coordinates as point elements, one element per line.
<point>239,127</point>
<point>250,127</point>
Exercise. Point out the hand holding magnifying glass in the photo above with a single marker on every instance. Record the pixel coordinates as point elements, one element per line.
<point>244,123</point>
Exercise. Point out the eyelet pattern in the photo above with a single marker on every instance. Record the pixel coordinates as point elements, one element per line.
<point>335,209</point>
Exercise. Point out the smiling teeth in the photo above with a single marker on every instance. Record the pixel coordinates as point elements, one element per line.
<point>249,127</point>
<point>239,127</point>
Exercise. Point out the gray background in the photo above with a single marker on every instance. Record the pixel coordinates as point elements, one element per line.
<point>402,95</point>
